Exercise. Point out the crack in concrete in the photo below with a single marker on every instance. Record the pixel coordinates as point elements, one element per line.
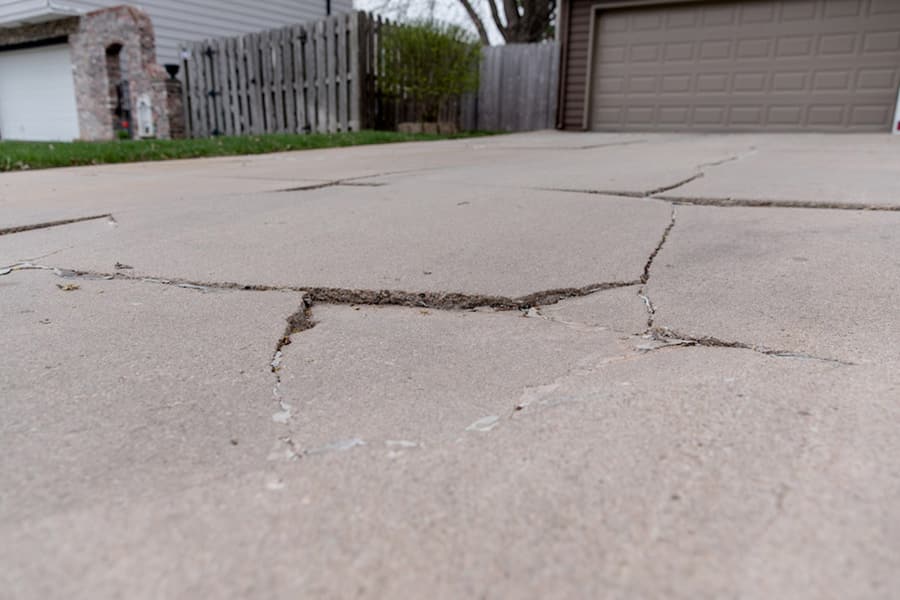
<point>455,301</point>
<point>327,184</point>
<point>651,194</point>
<point>669,188</point>
<point>735,157</point>
<point>584,147</point>
<point>355,181</point>
<point>665,334</point>
<point>645,276</point>
<point>298,321</point>
<point>46,224</point>
<point>728,202</point>
<point>651,310</point>
<point>330,295</point>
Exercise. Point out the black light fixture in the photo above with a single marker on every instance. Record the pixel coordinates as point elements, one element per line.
<point>172,69</point>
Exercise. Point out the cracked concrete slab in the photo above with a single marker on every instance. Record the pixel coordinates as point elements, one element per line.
<point>809,281</point>
<point>684,473</point>
<point>665,161</point>
<point>57,194</point>
<point>808,169</point>
<point>179,446</point>
<point>388,373</point>
<point>116,390</point>
<point>448,239</point>
<point>44,243</point>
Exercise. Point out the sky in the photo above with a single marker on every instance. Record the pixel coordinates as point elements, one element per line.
<point>444,10</point>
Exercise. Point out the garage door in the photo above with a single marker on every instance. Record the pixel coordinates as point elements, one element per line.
<point>820,65</point>
<point>37,94</point>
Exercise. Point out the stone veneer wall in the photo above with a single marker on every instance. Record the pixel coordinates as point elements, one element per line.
<point>89,36</point>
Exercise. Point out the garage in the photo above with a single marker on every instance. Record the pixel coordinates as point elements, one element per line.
<point>757,65</point>
<point>37,94</point>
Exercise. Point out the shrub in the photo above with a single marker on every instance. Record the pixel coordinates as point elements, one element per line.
<point>429,62</point>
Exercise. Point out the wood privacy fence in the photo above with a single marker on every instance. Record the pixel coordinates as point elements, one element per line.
<point>311,77</point>
<point>321,77</point>
<point>518,87</point>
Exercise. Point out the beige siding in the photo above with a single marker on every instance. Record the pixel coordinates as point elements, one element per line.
<point>177,21</point>
<point>575,69</point>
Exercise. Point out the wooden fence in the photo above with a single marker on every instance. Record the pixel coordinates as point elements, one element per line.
<point>302,78</point>
<point>518,87</point>
<point>322,77</point>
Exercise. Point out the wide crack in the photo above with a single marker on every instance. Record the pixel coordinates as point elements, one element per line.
<point>332,295</point>
<point>727,202</point>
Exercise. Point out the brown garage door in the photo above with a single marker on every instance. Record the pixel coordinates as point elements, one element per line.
<point>819,65</point>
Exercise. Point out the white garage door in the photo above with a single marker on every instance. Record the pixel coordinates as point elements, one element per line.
<point>37,94</point>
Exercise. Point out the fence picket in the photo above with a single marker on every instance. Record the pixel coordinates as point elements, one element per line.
<point>342,84</point>
<point>355,84</point>
<point>323,77</point>
<point>309,78</point>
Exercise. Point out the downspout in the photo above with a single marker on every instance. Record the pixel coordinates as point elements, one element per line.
<point>562,35</point>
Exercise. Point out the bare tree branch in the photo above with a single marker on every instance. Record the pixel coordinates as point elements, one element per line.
<point>495,14</point>
<point>525,21</point>
<point>476,20</point>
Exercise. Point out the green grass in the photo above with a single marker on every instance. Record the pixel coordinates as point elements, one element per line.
<point>17,156</point>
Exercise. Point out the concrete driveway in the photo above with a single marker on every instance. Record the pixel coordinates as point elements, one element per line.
<point>531,366</point>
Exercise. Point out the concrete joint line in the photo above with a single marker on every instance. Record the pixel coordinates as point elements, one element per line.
<point>46,224</point>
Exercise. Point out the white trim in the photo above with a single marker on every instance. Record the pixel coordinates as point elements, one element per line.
<point>27,12</point>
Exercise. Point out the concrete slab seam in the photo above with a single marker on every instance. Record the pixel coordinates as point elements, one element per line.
<point>46,224</point>
<point>356,181</point>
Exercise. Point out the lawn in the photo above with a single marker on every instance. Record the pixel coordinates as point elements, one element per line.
<point>17,156</point>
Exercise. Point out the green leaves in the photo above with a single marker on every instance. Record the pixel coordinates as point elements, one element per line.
<point>428,62</point>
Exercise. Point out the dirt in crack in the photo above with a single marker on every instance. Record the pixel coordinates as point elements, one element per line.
<point>664,334</point>
<point>297,322</point>
<point>329,295</point>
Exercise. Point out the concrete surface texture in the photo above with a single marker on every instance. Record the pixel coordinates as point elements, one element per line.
<point>529,366</point>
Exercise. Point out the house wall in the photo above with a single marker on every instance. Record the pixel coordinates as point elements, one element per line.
<point>575,49</point>
<point>88,37</point>
<point>177,21</point>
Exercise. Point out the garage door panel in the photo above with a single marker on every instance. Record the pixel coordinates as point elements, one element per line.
<point>885,7</point>
<point>37,94</point>
<point>775,64</point>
